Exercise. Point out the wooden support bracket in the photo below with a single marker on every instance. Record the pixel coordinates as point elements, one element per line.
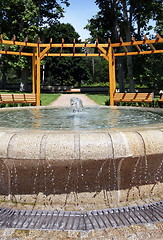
<point>104,51</point>
<point>158,37</point>
<point>97,44</point>
<point>109,43</point>
<point>42,54</point>
<point>150,44</point>
<point>137,46</point>
<point>125,48</point>
<point>21,48</point>
<point>13,39</point>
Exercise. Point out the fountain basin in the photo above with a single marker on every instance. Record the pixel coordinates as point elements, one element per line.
<point>82,169</point>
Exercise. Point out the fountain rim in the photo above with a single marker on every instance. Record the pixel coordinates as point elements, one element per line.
<point>154,126</point>
<point>88,146</point>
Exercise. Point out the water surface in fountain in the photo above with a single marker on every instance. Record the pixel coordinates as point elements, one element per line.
<point>89,119</point>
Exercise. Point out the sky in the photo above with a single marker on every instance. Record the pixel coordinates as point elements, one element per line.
<point>78,13</point>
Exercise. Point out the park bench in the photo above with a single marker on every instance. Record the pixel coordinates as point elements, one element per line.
<point>160,101</point>
<point>18,98</point>
<point>133,97</point>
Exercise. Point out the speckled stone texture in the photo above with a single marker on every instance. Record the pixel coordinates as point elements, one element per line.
<point>108,167</point>
<point>136,232</point>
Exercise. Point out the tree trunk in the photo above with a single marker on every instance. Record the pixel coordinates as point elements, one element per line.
<point>24,80</point>
<point>120,74</point>
<point>3,80</point>
<point>128,39</point>
<point>116,37</point>
<point>4,72</point>
<point>130,74</point>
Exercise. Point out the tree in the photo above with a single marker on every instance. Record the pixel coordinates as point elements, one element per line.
<point>106,25</point>
<point>124,18</point>
<point>26,18</point>
<point>147,69</point>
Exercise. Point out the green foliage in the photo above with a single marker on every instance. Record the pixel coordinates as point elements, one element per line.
<point>58,31</point>
<point>148,71</point>
<point>19,18</point>
<point>124,19</point>
<point>98,71</point>
<point>25,18</point>
<point>111,14</point>
<point>59,70</point>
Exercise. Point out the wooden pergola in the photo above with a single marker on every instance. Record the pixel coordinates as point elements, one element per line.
<point>107,50</point>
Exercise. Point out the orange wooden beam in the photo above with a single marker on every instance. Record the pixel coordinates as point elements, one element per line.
<point>75,55</point>
<point>71,45</point>
<point>17,43</point>
<point>16,53</point>
<point>82,54</point>
<point>138,53</point>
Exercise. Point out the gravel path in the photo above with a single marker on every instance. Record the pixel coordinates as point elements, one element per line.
<point>64,100</point>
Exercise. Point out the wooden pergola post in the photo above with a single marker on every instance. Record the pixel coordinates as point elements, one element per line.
<point>34,71</point>
<point>112,80</point>
<point>38,78</point>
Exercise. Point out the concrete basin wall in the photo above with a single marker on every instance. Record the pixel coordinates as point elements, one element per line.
<point>100,167</point>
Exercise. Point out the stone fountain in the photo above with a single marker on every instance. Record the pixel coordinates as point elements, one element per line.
<point>81,169</point>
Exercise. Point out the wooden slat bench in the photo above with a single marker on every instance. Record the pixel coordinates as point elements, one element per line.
<point>134,97</point>
<point>160,101</point>
<point>18,98</point>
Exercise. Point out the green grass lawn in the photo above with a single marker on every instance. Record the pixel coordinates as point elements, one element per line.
<point>47,98</point>
<point>101,98</point>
